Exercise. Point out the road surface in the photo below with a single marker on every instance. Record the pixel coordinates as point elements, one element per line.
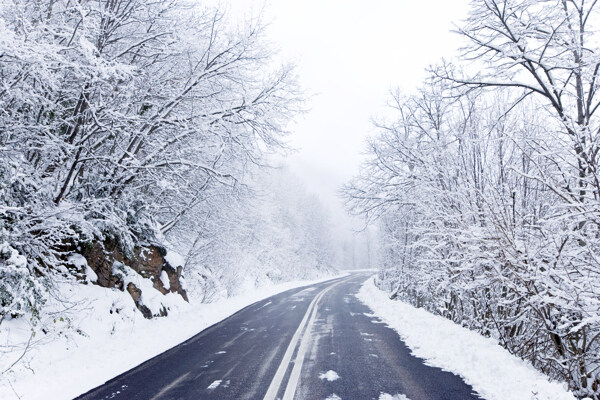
<point>316,342</point>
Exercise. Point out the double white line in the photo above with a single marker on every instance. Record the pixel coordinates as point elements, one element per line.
<point>290,389</point>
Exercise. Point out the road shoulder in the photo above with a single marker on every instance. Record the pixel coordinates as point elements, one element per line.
<point>492,371</point>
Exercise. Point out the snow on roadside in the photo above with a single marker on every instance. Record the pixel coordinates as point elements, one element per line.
<point>492,371</point>
<point>108,338</point>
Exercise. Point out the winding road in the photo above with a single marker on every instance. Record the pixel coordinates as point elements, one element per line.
<point>315,342</point>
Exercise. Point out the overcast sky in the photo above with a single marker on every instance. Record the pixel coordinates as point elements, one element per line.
<point>350,53</point>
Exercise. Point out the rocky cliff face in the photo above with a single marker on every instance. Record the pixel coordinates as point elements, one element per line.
<point>149,262</point>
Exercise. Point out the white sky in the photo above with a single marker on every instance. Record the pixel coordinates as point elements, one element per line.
<point>351,53</point>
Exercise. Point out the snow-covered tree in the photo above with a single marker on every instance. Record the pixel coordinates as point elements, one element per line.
<point>118,117</point>
<point>274,233</point>
<point>488,219</point>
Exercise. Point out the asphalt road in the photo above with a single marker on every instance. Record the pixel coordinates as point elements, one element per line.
<point>316,342</point>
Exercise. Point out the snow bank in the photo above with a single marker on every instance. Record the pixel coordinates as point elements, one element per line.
<point>105,337</point>
<point>492,371</point>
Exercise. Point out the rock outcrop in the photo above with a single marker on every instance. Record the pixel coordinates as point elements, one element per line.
<point>149,262</point>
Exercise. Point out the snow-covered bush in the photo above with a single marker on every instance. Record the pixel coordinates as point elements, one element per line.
<point>21,293</point>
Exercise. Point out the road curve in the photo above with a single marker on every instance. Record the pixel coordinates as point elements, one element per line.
<point>315,342</point>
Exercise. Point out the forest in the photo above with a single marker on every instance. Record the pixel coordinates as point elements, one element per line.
<point>486,186</point>
<point>144,129</point>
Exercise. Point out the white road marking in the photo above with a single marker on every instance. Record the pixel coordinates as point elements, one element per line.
<point>287,357</point>
<point>292,385</point>
<point>290,389</point>
<point>221,352</point>
<point>333,397</point>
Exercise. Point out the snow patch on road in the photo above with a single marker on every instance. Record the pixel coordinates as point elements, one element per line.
<point>264,305</point>
<point>214,385</point>
<point>329,375</point>
<point>385,396</point>
<point>374,318</point>
<point>165,389</point>
<point>333,397</point>
<point>304,292</point>
<point>492,371</point>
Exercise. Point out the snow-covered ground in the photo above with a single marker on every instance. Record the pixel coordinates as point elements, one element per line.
<point>492,371</point>
<point>104,337</point>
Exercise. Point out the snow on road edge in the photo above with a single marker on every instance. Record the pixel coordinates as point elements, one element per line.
<point>66,368</point>
<point>492,371</point>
